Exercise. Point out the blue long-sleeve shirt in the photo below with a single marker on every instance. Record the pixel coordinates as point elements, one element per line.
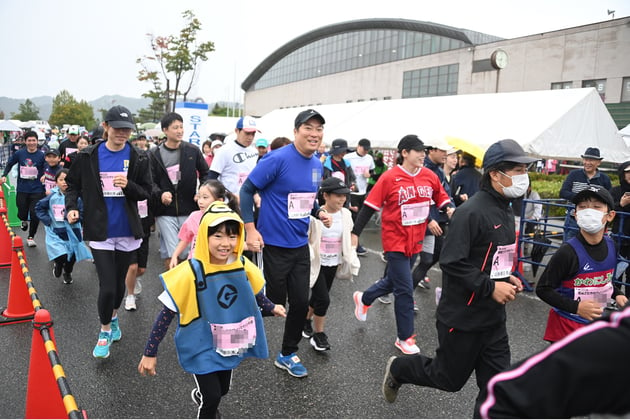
<point>577,180</point>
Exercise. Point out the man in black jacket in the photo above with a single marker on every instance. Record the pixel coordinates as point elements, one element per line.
<point>476,263</point>
<point>176,167</point>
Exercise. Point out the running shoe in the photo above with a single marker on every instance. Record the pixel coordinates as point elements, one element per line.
<point>425,283</point>
<point>361,251</point>
<point>386,299</point>
<point>57,269</point>
<point>101,350</point>
<point>292,364</point>
<point>319,341</point>
<point>67,278</point>
<point>390,385</point>
<point>360,310</point>
<point>116,333</point>
<point>130,303</point>
<point>307,331</point>
<point>407,346</point>
<point>30,242</point>
<point>24,226</point>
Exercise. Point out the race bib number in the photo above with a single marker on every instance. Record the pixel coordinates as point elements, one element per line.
<point>59,211</point>
<point>502,261</point>
<point>235,338</point>
<point>173,173</point>
<point>414,214</point>
<point>300,204</point>
<point>28,172</point>
<point>49,184</point>
<point>600,294</point>
<point>143,208</point>
<point>107,182</point>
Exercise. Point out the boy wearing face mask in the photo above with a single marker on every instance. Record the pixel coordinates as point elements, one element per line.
<point>577,282</point>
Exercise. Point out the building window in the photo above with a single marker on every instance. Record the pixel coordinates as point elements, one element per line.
<point>625,90</point>
<point>599,85</point>
<point>561,85</point>
<point>433,81</point>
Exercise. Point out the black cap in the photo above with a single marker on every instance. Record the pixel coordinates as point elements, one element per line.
<point>338,146</point>
<point>410,142</point>
<point>306,115</point>
<point>596,191</point>
<point>53,152</point>
<point>592,153</point>
<point>334,185</point>
<point>505,151</point>
<point>120,117</point>
<point>365,143</point>
<point>141,136</point>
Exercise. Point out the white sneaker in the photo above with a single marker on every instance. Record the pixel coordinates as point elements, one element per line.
<point>138,288</point>
<point>360,310</point>
<point>130,303</point>
<point>407,346</point>
<point>30,242</point>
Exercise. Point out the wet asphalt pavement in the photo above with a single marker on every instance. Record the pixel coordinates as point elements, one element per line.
<point>342,383</point>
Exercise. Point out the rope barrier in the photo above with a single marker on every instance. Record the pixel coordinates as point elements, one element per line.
<point>44,353</point>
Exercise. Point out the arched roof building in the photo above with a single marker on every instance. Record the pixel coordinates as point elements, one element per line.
<point>381,59</point>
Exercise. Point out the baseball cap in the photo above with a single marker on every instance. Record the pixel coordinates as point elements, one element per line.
<point>438,143</point>
<point>306,115</point>
<point>216,143</point>
<point>74,129</point>
<point>592,153</point>
<point>410,142</point>
<point>53,152</point>
<point>506,150</point>
<point>262,143</point>
<point>365,143</point>
<point>334,185</point>
<point>596,191</point>
<point>120,117</point>
<point>338,146</point>
<point>247,124</point>
<point>141,136</point>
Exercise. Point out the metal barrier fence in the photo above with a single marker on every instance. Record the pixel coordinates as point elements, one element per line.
<point>45,369</point>
<point>551,231</point>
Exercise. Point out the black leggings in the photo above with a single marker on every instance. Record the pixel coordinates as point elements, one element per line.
<point>111,268</point>
<point>67,264</point>
<point>212,386</point>
<point>320,296</point>
<point>25,203</point>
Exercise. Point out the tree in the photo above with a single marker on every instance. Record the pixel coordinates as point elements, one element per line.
<point>175,61</point>
<point>28,112</point>
<point>66,110</point>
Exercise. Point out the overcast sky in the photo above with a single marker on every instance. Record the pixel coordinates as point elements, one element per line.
<point>89,48</point>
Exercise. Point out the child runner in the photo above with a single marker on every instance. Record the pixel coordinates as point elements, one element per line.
<point>64,243</point>
<point>333,256</point>
<point>209,192</point>
<point>50,169</point>
<point>216,297</point>
<point>577,282</point>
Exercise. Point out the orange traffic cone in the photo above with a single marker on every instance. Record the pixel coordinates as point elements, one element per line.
<point>5,239</point>
<point>19,304</point>
<point>43,397</point>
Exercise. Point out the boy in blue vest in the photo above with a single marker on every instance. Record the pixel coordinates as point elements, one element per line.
<point>217,297</point>
<point>578,281</point>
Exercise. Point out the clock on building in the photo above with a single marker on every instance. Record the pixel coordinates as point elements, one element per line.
<point>499,59</point>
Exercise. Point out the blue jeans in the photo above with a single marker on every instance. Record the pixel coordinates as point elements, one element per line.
<point>398,280</point>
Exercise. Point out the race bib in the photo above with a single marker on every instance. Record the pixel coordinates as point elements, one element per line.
<point>107,182</point>
<point>143,209</point>
<point>173,173</point>
<point>235,338</point>
<point>300,205</point>
<point>414,214</point>
<point>49,184</point>
<point>599,294</point>
<point>242,176</point>
<point>59,211</point>
<point>502,261</point>
<point>28,172</point>
<point>338,175</point>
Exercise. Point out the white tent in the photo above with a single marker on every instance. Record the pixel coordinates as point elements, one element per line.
<point>558,124</point>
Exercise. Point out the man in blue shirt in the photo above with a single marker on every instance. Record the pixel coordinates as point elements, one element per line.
<point>287,181</point>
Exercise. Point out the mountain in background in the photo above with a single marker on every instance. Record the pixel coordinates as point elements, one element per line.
<point>44,104</point>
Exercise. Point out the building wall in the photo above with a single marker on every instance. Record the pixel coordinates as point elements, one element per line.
<point>597,51</point>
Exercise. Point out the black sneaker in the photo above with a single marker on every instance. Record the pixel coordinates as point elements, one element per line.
<point>319,341</point>
<point>390,385</point>
<point>425,283</point>
<point>24,226</point>
<point>307,331</point>
<point>67,278</point>
<point>361,251</point>
<point>57,270</point>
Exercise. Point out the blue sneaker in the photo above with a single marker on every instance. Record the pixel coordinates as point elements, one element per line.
<point>101,350</point>
<point>116,333</point>
<point>291,364</point>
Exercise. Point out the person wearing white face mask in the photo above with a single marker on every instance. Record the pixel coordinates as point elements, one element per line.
<point>477,282</point>
<point>577,282</point>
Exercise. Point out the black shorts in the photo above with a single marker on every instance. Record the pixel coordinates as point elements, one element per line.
<point>141,255</point>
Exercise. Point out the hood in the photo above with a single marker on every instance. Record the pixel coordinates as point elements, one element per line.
<point>622,176</point>
<point>217,213</point>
